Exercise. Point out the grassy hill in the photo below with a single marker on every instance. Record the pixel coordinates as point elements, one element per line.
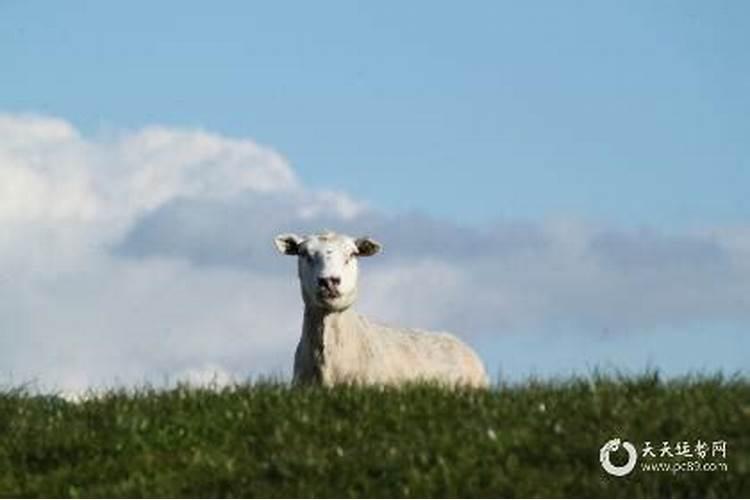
<point>534,439</point>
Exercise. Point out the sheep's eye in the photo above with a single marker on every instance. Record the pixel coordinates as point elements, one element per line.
<point>349,258</point>
<point>307,256</point>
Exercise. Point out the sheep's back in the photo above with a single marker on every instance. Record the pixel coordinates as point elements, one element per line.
<point>408,353</point>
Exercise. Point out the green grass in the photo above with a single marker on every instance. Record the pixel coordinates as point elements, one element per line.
<point>534,439</point>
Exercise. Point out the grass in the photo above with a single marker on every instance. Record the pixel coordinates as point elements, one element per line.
<point>534,439</point>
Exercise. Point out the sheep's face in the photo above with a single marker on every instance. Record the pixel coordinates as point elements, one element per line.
<point>327,266</point>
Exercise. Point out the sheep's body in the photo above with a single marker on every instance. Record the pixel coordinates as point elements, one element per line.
<point>340,346</point>
<point>344,347</point>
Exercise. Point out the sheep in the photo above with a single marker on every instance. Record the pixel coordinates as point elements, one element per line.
<point>340,346</point>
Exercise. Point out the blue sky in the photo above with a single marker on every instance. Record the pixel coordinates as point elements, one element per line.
<point>612,131</point>
<point>634,112</point>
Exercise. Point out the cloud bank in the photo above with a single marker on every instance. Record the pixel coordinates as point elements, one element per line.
<point>147,257</point>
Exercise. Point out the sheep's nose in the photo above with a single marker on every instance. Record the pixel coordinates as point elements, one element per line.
<point>329,283</point>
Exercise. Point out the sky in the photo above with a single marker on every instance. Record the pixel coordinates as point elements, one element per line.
<point>570,178</point>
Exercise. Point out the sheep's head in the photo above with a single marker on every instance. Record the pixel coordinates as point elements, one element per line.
<point>327,266</point>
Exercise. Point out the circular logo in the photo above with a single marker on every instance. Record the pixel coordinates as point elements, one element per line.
<point>611,446</point>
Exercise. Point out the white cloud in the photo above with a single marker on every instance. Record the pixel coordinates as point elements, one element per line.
<point>74,314</point>
<point>148,257</point>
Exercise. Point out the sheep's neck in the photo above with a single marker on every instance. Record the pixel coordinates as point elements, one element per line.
<point>324,328</point>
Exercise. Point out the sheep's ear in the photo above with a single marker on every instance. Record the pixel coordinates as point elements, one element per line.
<point>288,243</point>
<point>367,247</point>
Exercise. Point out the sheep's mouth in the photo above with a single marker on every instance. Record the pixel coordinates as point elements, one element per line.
<point>327,294</point>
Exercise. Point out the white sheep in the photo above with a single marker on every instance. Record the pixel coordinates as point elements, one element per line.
<point>340,346</point>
